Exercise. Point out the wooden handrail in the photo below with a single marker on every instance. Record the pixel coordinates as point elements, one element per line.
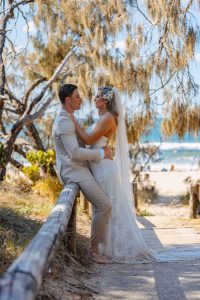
<point>24,277</point>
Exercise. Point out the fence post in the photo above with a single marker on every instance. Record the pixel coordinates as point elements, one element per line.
<point>194,194</point>
<point>84,204</point>
<point>71,230</point>
<point>135,194</point>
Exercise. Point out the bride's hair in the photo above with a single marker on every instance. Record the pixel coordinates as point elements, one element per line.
<point>109,95</point>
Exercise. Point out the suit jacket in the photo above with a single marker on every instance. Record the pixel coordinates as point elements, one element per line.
<point>71,155</point>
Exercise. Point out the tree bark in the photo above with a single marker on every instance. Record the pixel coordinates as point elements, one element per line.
<point>15,163</point>
<point>3,23</point>
<point>35,137</point>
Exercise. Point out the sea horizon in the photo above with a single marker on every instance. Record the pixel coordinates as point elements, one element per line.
<point>175,153</point>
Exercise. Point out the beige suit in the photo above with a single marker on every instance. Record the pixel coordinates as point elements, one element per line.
<point>72,166</point>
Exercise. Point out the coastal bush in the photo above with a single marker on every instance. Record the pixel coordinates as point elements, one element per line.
<point>39,163</point>
<point>147,196</point>
<point>41,158</point>
<point>185,199</point>
<point>32,172</point>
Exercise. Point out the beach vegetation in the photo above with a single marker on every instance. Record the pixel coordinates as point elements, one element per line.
<point>40,162</point>
<point>32,172</point>
<point>144,213</point>
<point>185,199</point>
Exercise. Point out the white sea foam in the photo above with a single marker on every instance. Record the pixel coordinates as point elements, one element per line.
<point>173,146</point>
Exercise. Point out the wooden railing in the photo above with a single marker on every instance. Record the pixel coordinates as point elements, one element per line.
<point>24,277</point>
<point>194,201</point>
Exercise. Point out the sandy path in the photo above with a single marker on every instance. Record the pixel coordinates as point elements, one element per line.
<point>172,183</point>
<point>153,281</point>
<point>168,228</point>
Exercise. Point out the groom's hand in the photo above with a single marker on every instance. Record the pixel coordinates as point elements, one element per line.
<point>108,153</point>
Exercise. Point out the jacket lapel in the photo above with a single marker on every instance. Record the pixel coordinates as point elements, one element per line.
<point>63,112</point>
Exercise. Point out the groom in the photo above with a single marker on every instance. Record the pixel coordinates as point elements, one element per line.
<point>72,164</point>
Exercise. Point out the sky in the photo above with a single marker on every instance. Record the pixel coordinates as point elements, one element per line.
<point>19,36</point>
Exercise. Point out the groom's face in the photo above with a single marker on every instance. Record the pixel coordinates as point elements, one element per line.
<point>74,100</point>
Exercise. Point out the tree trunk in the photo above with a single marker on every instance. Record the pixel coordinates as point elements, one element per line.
<point>8,149</point>
<point>3,24</point>
<point>34,135</point>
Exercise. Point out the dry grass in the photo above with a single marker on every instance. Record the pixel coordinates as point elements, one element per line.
<point>21,215</point>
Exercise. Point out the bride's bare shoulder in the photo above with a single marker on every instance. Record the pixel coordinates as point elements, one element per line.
<point>108,117</point>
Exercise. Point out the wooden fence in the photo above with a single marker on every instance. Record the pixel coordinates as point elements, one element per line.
<point>194,201</point>
<point>24,277</point>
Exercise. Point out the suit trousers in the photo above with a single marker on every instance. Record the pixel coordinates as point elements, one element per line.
<point>101,209</point>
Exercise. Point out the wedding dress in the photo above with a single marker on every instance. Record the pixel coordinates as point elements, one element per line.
<point>124,241</point>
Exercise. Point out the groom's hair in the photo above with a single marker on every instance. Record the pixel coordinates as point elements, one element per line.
<point>66,90</point>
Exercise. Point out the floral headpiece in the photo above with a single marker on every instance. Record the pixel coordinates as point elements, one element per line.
<point>109,95</point>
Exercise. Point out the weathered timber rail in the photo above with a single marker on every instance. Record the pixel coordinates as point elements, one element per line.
<point>24,277</point>
<point>194,201</point>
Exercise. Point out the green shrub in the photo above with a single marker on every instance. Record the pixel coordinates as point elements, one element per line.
<point>39,161</point>
<point>32,172</point>
<point>41,158</point>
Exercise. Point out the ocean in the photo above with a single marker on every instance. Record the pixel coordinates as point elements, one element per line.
<point>174,153</point>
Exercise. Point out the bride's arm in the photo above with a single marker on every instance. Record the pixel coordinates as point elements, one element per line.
<point>102,127</point>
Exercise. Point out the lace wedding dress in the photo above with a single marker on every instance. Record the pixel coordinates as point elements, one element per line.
<point>124,241</point>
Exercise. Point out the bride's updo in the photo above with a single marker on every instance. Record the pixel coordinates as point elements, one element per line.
<point>109,96</point>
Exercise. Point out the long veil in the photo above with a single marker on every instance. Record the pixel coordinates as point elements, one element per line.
<point>122,151</point>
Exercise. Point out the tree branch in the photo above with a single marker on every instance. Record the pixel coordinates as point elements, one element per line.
<point>15,163</point>
<point>33,86</point>
<point>37,99</point>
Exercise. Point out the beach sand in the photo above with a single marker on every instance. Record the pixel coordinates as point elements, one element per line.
<point>171,183</point>
<point>170,187</point>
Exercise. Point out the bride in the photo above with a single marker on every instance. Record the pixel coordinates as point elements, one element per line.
<point>124,241</point>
